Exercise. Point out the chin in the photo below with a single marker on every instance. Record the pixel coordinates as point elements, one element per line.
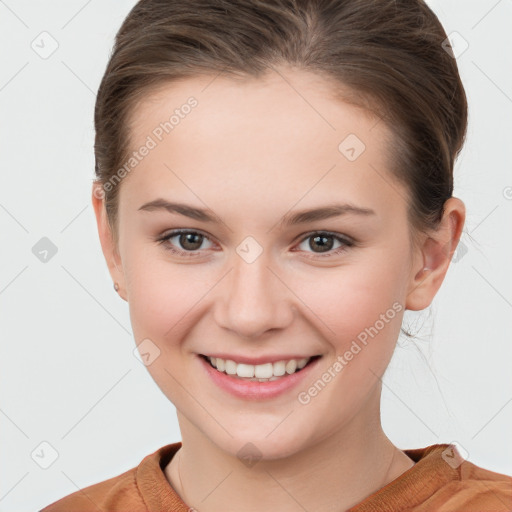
<point>259,446</point>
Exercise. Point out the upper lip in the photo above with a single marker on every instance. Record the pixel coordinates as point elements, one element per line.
<point>260,359</point>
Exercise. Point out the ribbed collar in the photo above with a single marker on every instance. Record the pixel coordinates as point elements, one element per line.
<point>414,486</point>
<point>431,471</point>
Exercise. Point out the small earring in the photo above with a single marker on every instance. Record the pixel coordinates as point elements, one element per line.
<point>116,287</point>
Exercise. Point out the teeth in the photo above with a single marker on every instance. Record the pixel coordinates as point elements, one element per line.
<point>264,371</point>
<point>279,368</point>
<point>245,370</point>
<point>302,362</point>
<point>230,367</point>
<point>291,366</point>
<point>260,372</point>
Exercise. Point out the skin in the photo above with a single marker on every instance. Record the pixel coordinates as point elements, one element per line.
<point>251,152</point>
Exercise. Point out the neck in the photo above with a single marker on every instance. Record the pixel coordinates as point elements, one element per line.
<point>334,474</point>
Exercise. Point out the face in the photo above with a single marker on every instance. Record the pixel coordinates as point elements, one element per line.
<point>245,282</point>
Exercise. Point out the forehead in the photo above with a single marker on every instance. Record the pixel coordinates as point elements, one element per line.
<point>285,134</point>
<point>300,101</point>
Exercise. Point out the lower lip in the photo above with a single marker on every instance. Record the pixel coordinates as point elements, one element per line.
<point>252,390</point>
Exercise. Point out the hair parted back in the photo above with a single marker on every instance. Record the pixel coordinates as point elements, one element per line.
<point>388,55</point>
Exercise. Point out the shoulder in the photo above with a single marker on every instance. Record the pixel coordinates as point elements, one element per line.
<point>470,487</point>
<point>119,491</point>
<point>479,489</point>
<point>126,491</point>
<point>442,480</point>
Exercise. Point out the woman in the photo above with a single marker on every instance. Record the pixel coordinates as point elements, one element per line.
<point>274,190</point>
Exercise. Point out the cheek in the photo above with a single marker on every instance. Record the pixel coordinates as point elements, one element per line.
<point>161,297</point>
<point>359,314</point>
<point>359,311</point>
<point>161,303</point>
<point>350,298</point>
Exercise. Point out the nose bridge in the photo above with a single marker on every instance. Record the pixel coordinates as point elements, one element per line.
<point>254,298</point>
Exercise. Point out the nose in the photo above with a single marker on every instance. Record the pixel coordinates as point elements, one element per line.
<point>253,299</point>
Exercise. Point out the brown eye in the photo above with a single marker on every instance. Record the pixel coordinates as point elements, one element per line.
<point>188,243</point>
<point>323,242</point>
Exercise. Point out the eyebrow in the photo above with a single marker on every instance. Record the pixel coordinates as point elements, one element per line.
<point>290,219</point>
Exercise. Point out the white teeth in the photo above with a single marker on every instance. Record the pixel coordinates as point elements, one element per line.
<point>230,367</point>
<point>260,372</point>
<point>291,366</point>
<point>245,370</point>
<point>302,362</point>
<point>254,379</point>
<point>279,368</point>
<point>263,371</point>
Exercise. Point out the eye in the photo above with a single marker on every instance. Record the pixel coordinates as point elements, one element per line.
<point>322,240</point>
<point>190,241</point>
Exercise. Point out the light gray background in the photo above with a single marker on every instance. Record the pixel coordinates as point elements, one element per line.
<point>68,373</point>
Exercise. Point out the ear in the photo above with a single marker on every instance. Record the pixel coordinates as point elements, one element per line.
<point>108,246</point>
<point>433,258</point>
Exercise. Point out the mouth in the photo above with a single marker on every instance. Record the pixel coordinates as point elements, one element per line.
<point>266,372</point>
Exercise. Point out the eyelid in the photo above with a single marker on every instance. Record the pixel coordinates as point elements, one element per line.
<point>345,238</point>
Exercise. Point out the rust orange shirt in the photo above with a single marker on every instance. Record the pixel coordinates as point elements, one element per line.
<point>438,482</point>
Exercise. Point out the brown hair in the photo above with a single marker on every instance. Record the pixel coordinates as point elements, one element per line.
<point>391,55</point>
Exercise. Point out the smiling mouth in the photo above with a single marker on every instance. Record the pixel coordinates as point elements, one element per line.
<point>266,372</point>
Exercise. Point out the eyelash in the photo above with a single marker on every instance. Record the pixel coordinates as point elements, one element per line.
<point>347,243</point>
